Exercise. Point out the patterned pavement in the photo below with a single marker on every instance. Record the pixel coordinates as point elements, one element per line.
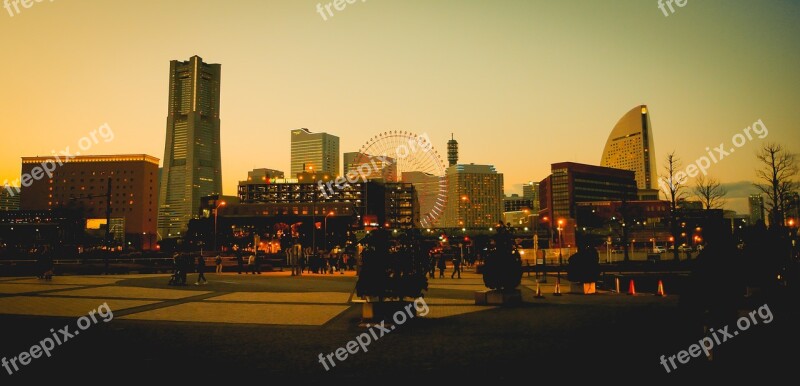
<point>269,299</point>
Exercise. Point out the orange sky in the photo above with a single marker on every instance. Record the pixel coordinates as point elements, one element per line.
<point>522,84</point>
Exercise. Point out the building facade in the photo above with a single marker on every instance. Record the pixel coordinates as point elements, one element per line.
<point>192,161</point>
<point>374,168</point>
<point>83,183</point>
<point>394,205</point>
<point>571,183</point>
<point>630,146</point>
<point>316,152</point>
<point>9,199</point>
<point>474,196</point>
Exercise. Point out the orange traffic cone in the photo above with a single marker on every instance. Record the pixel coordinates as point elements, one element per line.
<point>631,288</point>
<point>660,291</point>
<point>557,290</point>
<point>538,292</point>
<point>616,284</point>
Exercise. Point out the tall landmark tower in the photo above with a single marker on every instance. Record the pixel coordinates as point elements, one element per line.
<point>452,151</point>
<point>192,163</point>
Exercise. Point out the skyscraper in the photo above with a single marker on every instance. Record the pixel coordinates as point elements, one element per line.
<point>630,147</point>
<point>756,203</point>
<point>192,162</point>
<point>316,151</point>
<point>474,196</point>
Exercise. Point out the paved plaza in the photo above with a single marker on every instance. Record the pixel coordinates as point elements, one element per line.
<point>276,325</point>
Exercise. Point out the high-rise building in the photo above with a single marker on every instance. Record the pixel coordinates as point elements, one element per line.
<point>630,147</point>
<point>82,183</point>
<point>452,151</point>
<point>377,168</point>
<point>756,203</point>
<point>316,152</point>
<point>530,190</point>
<point>192,161</point>
<point>474,196</point>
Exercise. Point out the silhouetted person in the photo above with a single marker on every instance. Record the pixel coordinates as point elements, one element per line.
<point>239,262</point>
<point>201,270</point>
<point>442,266</point>
<point>456,265</point>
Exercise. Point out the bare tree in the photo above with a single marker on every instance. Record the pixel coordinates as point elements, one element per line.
<point>675,182</point>
<point>710,192</point>
<point>776,177</point>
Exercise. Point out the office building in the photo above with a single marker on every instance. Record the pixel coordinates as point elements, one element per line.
<point>192,161</point>
<point>530,190</point>
<point>314,152</point>
<point>630,147</point>
<point>373,168</point>
<point>9,200</point>
<point>83,183</point>
<point>474,196</point>
<point>570,183</point>
<point>515,203</point>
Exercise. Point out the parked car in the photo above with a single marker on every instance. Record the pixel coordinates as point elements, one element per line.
<point>659,249</point>
<point>685,248</point>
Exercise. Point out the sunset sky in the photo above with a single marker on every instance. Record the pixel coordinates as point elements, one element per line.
<point>521,84</point>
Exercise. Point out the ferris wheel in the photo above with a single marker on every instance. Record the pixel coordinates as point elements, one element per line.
<point>416,162</point>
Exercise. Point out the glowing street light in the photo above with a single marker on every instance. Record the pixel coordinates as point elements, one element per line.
<point>216,212</point>
<point>325,238</point>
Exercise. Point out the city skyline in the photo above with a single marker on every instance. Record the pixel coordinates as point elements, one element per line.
<point>542,99</point>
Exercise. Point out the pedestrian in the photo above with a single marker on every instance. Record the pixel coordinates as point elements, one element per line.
<point>201,269</point>
<point>219,264</point>
<point>456,265</point>
<point>239,261</point>
<point>442,265</point>
<point>257,263</point>
<point>251,264</point>
<point>432,258</point>
<point>184,261</point>
<point>296,256</point>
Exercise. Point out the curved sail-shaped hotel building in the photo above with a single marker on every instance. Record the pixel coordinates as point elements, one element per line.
<point>630,147</point>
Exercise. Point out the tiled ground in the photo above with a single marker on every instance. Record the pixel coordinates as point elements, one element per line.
<point>241,299</point>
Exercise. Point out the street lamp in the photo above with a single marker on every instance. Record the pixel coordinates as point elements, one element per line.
<point>560,241</point>
<point>216,212</point>
<point>325,238</point>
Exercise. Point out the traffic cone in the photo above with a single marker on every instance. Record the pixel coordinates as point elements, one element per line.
<point>616,284</point>
<point>660,291</point>
<point>631,288</point>
<point>557,290</point>
<point>538,292</point>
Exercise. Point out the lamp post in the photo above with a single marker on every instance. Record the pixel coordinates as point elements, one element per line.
<point>216,212</point>
<point>560,241</point>
<point>325,238</point>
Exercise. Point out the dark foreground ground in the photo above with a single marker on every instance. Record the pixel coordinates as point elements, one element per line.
<point>605,339</point>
